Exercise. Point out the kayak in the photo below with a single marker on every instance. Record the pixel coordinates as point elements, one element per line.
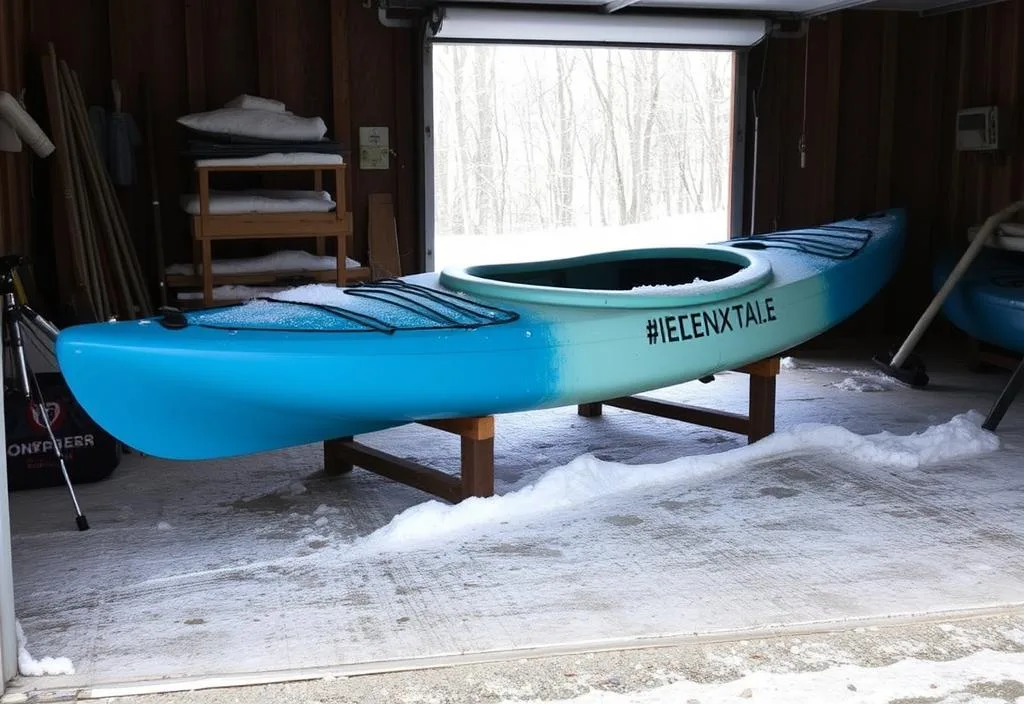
<point>319,362</point>
<point>988,301</point>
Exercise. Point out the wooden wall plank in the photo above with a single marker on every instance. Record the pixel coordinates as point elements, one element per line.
<point>886,110</point>
<point>341,93</point>
<point>1015,127</point>
<point>790,175</point>
<point>961,99</point>
<point>294,54</point>
<point>80,33</point>
<point>18,38</point>
<point>829,117</point>
<point>9,162</point>
<point>769,162</point>
<point>859,111</point>
<point>1006,94</point>
<point>195,62</point>
<point>231,50</point>
<point>405,157</point>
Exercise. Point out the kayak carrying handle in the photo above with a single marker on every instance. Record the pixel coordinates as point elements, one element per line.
<point>173,318</point>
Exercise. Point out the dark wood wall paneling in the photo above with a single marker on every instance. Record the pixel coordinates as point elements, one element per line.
<point>882,93</point>
<point>14,167</point>
<point>330,58</point>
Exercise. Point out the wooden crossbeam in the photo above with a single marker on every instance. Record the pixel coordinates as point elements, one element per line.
<point>477,461</point>
<point>758,423</point>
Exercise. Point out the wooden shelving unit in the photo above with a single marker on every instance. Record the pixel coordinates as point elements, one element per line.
<point>319,227</point>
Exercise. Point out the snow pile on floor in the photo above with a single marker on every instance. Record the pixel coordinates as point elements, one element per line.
<point>588,478</point>
<point>854,384</point>
<point>30,667</point>
<point>859,380</point>
<point>985,677</point>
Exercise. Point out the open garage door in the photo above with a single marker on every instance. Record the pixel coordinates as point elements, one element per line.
<point>553,132</point>
<point>478,25</point>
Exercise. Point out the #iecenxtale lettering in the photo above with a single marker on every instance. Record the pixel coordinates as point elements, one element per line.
<point>712,321</point>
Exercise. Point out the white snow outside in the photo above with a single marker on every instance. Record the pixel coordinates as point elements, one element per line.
<point>676,231</point>
<point>909,680</point>
<point>606,532</point>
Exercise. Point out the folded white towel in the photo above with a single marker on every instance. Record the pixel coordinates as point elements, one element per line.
<point>255,102</point>
<point>261,201</point>
<point>276,159</point>
<point>266,124</point>
<point>287,260</point>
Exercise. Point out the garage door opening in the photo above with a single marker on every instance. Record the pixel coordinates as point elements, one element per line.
<point>545,151</point>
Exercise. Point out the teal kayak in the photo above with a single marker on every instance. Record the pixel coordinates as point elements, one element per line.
<point>988,301</point>
<point>321,361</point>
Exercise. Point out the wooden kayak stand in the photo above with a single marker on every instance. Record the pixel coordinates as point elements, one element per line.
<point>476,478</point>
<point>758,423</point>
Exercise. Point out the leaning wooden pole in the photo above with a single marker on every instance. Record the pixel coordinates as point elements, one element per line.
<point>51,84</point>
<point>135,275</point>
<point>83,133</point>
<point>93,253</point>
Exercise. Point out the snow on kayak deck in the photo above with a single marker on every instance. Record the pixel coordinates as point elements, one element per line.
<point>377,306</point>
<point>605,532</point>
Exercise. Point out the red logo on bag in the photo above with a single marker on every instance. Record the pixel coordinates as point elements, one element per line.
<point>53,414</point>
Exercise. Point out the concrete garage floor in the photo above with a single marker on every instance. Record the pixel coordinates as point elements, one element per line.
<point>261,569</point>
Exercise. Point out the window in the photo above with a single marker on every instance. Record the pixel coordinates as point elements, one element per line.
<point>545,151</point>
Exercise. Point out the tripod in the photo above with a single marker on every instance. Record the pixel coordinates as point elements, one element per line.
<point>19,318</point>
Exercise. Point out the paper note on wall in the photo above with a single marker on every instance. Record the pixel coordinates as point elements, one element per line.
<point>374,148</point>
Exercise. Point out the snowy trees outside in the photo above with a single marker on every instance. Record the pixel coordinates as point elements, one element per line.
<point>549,144</point>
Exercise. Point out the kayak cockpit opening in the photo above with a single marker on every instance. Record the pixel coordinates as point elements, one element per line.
<point>622,275</point>
<point>629,278</point>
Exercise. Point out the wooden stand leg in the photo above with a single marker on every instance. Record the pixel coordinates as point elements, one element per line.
<point>207,272</point>
<point>477,464</point>
<point>761,415</point>
<point>759,423</point>
<point>341,261</point>
<point>335,463</point>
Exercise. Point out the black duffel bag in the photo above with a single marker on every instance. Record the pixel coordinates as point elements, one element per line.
<point>90,453</point>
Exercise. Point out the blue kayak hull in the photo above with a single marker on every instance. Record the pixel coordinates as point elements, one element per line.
<point>321,362</point>
<point>988,302</point>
